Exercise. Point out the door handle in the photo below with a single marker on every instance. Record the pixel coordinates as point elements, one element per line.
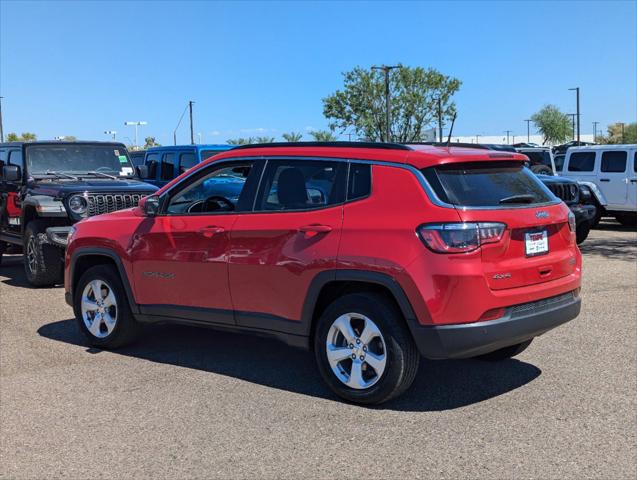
<point>633,180</point>
<point>210,232</point>
<point>604,179</point>
<point>315,228</point>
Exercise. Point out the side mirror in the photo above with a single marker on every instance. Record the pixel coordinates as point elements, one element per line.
<point>11,173</point>
<point>150,205</point>
<point>142,171</point>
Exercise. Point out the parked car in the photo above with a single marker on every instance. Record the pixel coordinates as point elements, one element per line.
<point>162,164</point>
<point>46,187</point>
<point>372,255</point>
<point>137,157</point>
<point>564,147</point>
<point>540,159</point>
<point>610,172</point>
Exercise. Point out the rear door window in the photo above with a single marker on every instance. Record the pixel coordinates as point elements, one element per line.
<point>186,161</point>
<point>206,154</point>
<point>152,160</point>
<point>582,162</point>
<point>360,181</point>
<point>168,166</point>
<point>614,161</point>
<point>487,184</point>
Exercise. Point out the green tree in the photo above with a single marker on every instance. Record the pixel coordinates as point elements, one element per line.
<point>292,137</point>
<point>554,125</point>
<point>70,138</point>
<point>615,133</point>
<point>25,137</point>
<point>240,141</point>
<point>150,142</point>
<point>414,102</point>
<point>264,140</point>
<point>323,136</point>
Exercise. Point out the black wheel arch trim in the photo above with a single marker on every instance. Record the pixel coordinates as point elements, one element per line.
<point>103,252</point>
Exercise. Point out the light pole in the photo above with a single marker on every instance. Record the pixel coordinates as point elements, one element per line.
<point>1,128</point>
<point>577,110</point>
<point>199,136</point>
<point>508,132</point>
<point>110,132</point>
<point>439,119</point>
<point>477,138</point>
<point>573,115</point>
<point>387,69</point>
<point>136,125</point>
<point>595,131</point>
<point>528,131</point>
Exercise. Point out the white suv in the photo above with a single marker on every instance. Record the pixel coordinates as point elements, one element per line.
<point>610,171</point>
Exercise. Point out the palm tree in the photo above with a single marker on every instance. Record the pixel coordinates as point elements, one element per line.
<point>240,141</point>
<point>264,140</point>
<point>323,136</point>
<point>292,137</point>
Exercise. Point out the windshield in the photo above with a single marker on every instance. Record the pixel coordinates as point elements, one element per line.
<point>77,159</point>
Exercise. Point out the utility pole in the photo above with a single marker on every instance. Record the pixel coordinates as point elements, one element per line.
<point>577,110</point>
<point>387,69</point>
<point>440,118</point>
<point>528,131</point>
<point>192,134</point>
<point>595,131</point>
<point>1,128</point>
<point>508,132</point>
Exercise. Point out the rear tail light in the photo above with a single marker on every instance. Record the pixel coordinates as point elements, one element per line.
<point>493,314</point>
<point>571,222</point>
<point>459,237</point>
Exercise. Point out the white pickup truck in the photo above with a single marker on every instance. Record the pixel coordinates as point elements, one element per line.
<point>610,171</point>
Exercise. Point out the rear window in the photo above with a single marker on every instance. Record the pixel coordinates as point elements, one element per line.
<point>614,161</point>
<point>582,162</point>
<point>487,184</point>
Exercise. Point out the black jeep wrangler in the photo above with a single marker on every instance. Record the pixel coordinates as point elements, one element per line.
<point>45,187</point>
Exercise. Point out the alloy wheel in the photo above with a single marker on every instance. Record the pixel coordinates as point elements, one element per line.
<point>356,351</point>
<point>32,258</point>
<point>99,308</point>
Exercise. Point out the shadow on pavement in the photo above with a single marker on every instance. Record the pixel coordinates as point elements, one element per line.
<point>439,385</point>
<point>611,248</point>
<point>12,270</point>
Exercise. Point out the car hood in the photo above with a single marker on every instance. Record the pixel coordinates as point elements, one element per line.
<point>62,188</point>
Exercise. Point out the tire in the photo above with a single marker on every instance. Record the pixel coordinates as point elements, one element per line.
<point>506,352</point>
<point>3,248</point>
<point>541,170</point>
<point>390,341</point>
<point>43,262</point>
<point>598,215</point>
<point>122,328</point>
<point>627,219</point>
<point>582,231</point>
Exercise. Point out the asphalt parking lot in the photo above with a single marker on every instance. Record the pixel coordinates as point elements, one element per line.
<point>186,402</point>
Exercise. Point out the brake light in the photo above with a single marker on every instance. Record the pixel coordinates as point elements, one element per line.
<point>571,222</point>
<point>493,314</point>
<point>459,237</point>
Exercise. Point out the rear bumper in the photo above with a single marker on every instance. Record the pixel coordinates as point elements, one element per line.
<point>520,323</point>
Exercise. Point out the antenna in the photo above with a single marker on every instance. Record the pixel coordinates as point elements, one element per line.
<point>453,121</point>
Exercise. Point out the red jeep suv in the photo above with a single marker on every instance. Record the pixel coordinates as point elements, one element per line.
<point>372,255</point>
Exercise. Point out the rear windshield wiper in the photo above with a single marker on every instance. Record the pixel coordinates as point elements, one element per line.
<point>60,174</point>
<point>525,198</point>
<point>102,174</point>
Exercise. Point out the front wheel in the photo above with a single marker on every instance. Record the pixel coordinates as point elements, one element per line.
<point>43,262</point>
<point>364,350</point>
<point>102,310</point>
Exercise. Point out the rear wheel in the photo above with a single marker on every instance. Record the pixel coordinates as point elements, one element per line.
<point>582,231</point>
<point>506,352</point>
<point>43,262</point>
<point>627,219</point>
<point>364,350</point>
<point>102,310</point>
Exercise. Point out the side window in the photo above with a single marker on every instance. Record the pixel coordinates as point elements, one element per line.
<point>217,191</point>
<point>360,181</point>
<point>15,158</point>
<point>582,162</point>
<point>186,161</point>
<point>206,154</point>
<point>301,185</point>
<point>3,160</point>
<point>152,160</point>
<point>614,161</point>
<point>635,162</point>
<point>168,166</point>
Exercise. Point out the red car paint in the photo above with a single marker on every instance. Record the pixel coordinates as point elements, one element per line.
<point>264,263</point>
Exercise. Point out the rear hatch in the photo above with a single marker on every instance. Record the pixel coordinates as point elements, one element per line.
<point>537,245</point>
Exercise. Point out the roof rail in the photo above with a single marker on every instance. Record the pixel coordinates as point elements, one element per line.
<point>378,145</point>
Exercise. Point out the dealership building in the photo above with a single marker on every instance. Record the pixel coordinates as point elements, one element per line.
<point>502,139</point>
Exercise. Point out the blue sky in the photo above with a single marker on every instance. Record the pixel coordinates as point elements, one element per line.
<point>262,68</point>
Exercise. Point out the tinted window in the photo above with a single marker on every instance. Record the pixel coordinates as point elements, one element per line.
<point>635,162</point>
<point>152,160</point>
<point>582,162</point>
<point>614,161</point>
<point>206,154</point>
<point>215,192</point>
<point>487,184</point>
<point>137,158</point>
<point>15,158</point>
<point>538,157</point>
<point>186,161</point>
<point>360,181</point>
<point>168,166</point>
<point>559,161</point>
<point>301,185</point>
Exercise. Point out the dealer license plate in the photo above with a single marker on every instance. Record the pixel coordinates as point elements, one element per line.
<point>536,243</point>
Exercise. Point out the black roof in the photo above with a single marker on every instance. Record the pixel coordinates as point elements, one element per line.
<point>379,145</point>
<point>60,142</point>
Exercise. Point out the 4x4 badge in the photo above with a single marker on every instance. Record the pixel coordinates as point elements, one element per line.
<point>542,214</point>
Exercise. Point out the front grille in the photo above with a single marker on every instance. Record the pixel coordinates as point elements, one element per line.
<point>99,203</point>
<point>541,305</point>
<point>567,192</point>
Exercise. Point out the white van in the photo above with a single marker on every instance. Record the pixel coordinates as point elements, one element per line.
<point>610,171</point>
